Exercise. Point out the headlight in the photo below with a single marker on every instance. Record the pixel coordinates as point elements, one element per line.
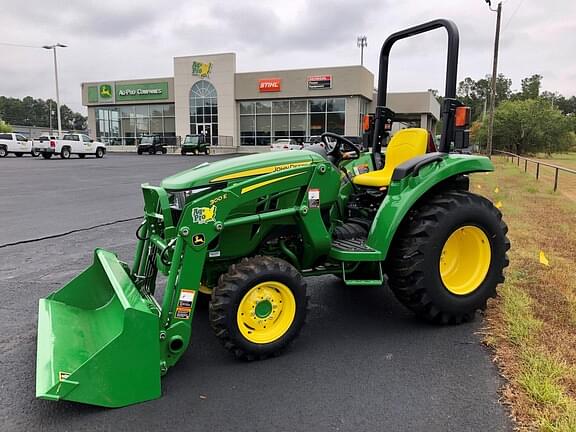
<point>179,198</point>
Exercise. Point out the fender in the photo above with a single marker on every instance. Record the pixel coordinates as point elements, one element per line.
<point>404,193</point>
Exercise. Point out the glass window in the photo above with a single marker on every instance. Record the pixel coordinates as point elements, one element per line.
<point>6,136</point>
<point>21,138</point>
<point>156,110</point>
<point>298,106</point>
<point>298,125</point>
<point>263,107</point>
<point>142,111</point>
<point>246,107</point>
<point>338,105</point>
<point>128,127</point>
<point>204,110</point>
<point>169,110</point>
<point>317,105</point>
<point>280,107</point>
<point>280,125</point>
<point>156,125</point>
<point>317,124</point>
<point>85,138</point>
<point>263,125</point>
<point>127,111</point>
<point>142,126</point>
<point>247,124</point>
<point>169,125</point>
<point>335,123</point>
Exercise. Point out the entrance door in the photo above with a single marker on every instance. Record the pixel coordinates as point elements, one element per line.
<point>206,130</point>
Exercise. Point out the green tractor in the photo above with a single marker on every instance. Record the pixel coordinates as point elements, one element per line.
<point>247,231</point>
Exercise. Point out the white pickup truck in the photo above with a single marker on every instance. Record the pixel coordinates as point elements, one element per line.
<point>15,143</point>
<point>69,144</point>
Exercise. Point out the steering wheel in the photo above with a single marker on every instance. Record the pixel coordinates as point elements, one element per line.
<point>333,149</point>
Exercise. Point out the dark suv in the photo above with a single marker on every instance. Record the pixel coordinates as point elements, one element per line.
<point>151,144</point>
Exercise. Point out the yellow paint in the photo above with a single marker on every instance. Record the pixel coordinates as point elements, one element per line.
<point>499,205</point>
<point>543,259</point>
<point>404,145</point>
<point>204,289</point>
<point>267,182</point>
<point>259,171</point>
<point>465,260</point>
<point>274,326</point>
<point>497,190</point>
<point>479,186</point>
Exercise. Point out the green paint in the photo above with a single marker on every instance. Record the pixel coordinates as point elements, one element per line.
<point>92,94</point>
<point>103,328</point>
<point>263,309</point>
<point>142,91</point>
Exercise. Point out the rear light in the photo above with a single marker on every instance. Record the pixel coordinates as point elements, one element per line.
<point>286,147</point>
<point>52,143</point>
<point>366,123</point>
<point>462,118</point>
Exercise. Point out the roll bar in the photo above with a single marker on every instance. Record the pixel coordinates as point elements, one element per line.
<point>451,73</point>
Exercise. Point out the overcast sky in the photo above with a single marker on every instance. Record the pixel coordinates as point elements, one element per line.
<point>111,39</point>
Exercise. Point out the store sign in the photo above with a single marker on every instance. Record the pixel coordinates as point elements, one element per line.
<point>105,91</point>
<point>269,85</point>
<point>144,91</point>
<point>316,82</point>
<point>201,69</point>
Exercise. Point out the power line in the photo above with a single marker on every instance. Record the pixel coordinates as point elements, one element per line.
<point>19,45</point>
<point>513,13</point>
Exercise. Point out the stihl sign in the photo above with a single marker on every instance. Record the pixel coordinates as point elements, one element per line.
<point>269,85</point>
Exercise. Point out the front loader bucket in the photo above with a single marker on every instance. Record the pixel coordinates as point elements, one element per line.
<point>98,339</point>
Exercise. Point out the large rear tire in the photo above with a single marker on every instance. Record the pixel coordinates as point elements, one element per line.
<point>448,257</point>
<point>258,307</point>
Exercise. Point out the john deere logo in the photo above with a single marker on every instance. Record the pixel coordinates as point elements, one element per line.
<point>201,69</point>
<point>105,91</point>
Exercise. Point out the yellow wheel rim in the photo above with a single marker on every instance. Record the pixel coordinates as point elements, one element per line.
<point>266,312</point>
<point>465,260</point>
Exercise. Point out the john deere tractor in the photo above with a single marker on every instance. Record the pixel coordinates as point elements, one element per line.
<point>247,231</point>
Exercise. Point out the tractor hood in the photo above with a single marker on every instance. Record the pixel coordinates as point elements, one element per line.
<point>239,168</point>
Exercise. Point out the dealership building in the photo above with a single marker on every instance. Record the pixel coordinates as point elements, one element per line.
<point>242,112</point>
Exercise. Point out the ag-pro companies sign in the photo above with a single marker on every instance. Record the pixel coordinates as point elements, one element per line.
<point>143,91</point>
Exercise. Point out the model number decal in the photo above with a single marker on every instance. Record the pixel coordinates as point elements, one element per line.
<point>218,199</point>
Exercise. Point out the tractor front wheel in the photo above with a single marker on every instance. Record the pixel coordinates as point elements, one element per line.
<point>449,256</point>
<point>258,307</point>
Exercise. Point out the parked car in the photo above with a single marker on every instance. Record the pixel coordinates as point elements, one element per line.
<point>15,143</point>
<point>195,144</point>
<point>70,144</point>
<point>151,144</point>
<point>285,144</point>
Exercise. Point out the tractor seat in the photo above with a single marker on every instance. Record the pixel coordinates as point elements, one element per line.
<point>404,145</point>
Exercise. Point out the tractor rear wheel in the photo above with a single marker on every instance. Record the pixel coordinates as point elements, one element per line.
<point>448,257</point>
<point>258,307</point>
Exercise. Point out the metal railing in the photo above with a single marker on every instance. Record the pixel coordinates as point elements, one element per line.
<point>556,168</point>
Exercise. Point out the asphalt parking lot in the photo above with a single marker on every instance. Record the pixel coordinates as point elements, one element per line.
<point>362,362</point>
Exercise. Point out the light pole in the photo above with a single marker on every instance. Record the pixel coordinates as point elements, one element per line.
<point>53,48</point>
<point>362,42</point>
<point>498,11</point>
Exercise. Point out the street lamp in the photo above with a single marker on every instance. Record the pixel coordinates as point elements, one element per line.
<point>53,48</point>
<point>498,10</point>
<point>362,42</point>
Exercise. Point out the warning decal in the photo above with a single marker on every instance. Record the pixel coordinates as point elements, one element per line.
<point>314,198</point>
<point>186,298</point>
<point>183,313</point>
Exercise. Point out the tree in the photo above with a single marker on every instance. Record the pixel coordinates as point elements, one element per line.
<point>5,127</point>
<point>531,87</point>
<point>37,112</point>
<point>530,126</point>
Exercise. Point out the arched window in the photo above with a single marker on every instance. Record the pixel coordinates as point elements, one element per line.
<point>204,110</point>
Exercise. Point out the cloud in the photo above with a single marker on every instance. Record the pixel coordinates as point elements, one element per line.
<point>111,40</point>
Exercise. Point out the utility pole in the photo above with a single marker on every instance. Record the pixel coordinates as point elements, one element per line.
<point>53,48</point>
<point>362,42</point>
<point>498,11</point>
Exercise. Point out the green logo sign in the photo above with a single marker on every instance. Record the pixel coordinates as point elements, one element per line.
<point>105,91</point>
<point>201,69</point>
<point>144,91</point>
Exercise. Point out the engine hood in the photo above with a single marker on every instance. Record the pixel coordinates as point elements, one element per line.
<point>239,168</point>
